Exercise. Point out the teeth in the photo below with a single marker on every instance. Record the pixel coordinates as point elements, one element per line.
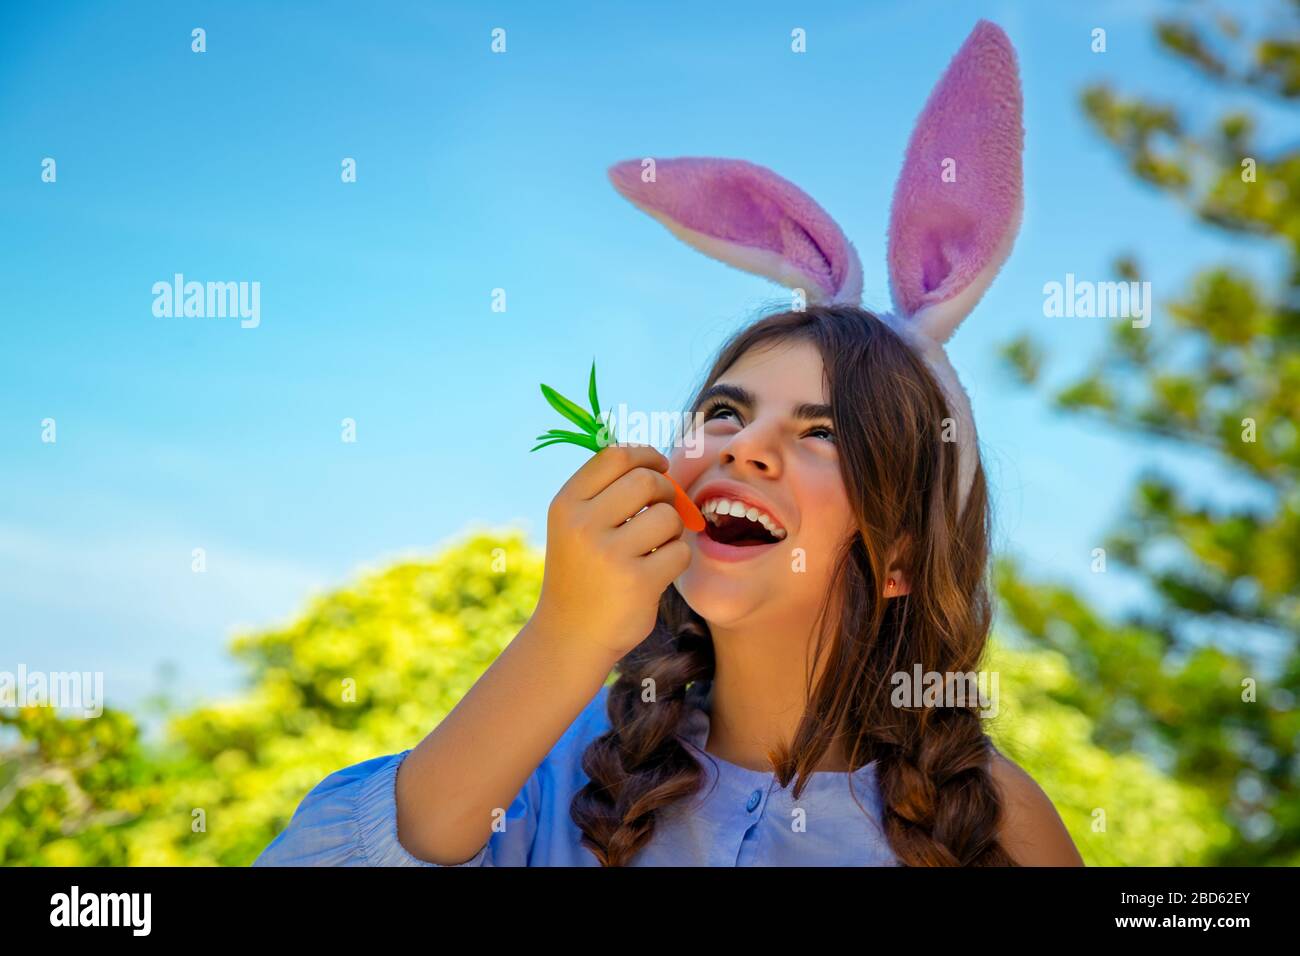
<point>723,506</point>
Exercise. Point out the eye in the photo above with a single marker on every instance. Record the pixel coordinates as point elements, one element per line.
<point>715,406</point>
<point>711,410</point>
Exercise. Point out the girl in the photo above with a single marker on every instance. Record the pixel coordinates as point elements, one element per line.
<point>754,719</point>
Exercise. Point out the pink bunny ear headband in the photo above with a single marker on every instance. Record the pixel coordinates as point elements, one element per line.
<point>955,215</point>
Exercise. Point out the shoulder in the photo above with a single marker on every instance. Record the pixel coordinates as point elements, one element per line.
<point>1031,829</point>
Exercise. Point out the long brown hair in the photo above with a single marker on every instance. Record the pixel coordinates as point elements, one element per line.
<point>940,804</point>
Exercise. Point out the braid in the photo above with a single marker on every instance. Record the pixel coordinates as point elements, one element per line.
<point>639,766</point>
<point>941,807</point>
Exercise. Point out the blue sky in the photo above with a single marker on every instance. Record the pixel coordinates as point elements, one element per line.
<point>474,171</point>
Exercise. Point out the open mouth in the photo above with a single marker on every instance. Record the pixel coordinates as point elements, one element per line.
<point>734,523</point>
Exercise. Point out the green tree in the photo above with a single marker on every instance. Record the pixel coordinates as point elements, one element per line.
<point>367,670</point>
<point>1206,683</point>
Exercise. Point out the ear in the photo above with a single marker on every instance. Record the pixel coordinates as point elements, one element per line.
<point>748,217</point>
<point>897,573</point>
<point>958,201</point>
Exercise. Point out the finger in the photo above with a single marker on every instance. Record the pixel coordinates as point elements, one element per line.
<point>669,560</point>
<point>653,528</point>
<point>609,464</point>
<point>639,488</point>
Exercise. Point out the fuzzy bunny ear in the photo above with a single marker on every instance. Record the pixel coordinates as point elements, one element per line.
<point>958,200</point>
<point>748,217</point>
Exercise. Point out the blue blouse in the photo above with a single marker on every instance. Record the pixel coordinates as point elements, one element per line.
<point>739,817</point>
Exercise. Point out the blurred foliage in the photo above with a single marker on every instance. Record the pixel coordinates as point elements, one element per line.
<point>1219,377</point>
<point>367,670</point>
<point>1120,809</point>
<point>411,641</point>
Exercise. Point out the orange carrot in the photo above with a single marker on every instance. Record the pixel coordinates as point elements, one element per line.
<point>686,508</point>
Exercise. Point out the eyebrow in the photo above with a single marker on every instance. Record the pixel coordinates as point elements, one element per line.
<point>805,411</point>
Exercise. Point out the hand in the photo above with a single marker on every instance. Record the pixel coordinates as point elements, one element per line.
<point>608,561</point>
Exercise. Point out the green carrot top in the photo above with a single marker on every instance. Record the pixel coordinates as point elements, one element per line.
<point>597,434</point>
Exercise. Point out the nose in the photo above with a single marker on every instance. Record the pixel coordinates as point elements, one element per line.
<point>748,450</point>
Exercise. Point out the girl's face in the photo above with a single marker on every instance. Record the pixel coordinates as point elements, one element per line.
<point>764,440</point>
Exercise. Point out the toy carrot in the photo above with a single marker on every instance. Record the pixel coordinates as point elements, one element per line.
<point>595,435</point>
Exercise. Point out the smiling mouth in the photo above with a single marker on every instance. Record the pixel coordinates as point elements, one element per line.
<point>737,531</point>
